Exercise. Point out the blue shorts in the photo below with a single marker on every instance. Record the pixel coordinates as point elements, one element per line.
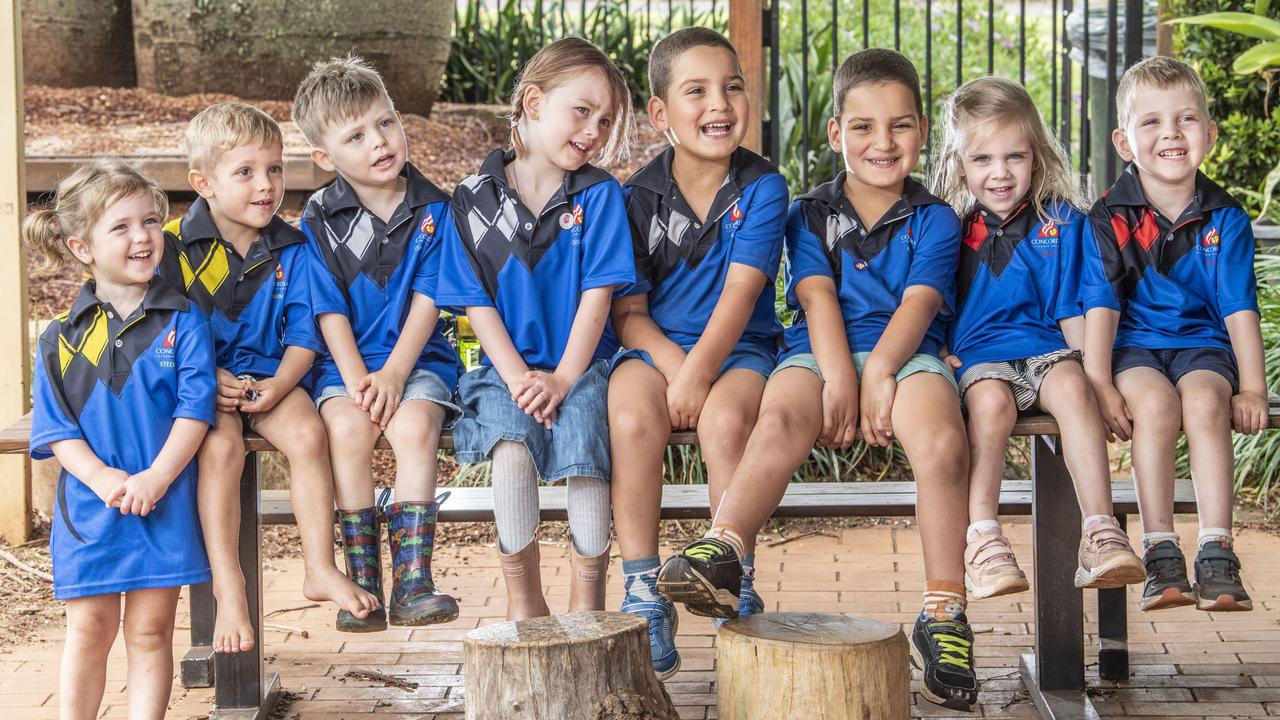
<point>1176,362</point>
<point>920,362</point>
<point>421,385</point>
<point>746,355</point>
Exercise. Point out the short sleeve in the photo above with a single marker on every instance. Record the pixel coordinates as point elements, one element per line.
<point>457,284</point>
<point>50,421</point>
<point>426,275</point>
<point>805,254</point>
<point>1098,277</point>
<point>326,295</point>
<point>299,320</point>
<point>638,220</point>
<point>195,361</point>
<point>1068,302</point>
<point>758,243</point>
<point>1237,285</point>
<point>607,257</point>
<point>936,257</point>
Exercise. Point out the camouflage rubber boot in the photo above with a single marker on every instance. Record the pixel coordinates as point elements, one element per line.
<point>362,549</point>
<point>411,530</point>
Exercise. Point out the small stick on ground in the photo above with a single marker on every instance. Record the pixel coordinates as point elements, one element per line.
<point>386,680</point>
<point>282,611</point>
<point>801,536</point>
<point>301,632</point>
<point>33,572</point>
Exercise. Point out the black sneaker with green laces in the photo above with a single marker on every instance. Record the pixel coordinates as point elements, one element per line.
<point>706,576</point>
<point>1218,587</point>
<point>943,651</point>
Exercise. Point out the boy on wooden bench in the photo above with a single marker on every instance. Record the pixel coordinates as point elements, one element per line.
<point>250,271</point>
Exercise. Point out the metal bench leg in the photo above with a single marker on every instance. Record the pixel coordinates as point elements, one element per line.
<point>1113,630</point>
<point>242,692</point>
<point>197,664</point>
<point>1054,674</point>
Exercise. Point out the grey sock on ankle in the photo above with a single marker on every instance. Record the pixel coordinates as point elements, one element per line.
<point>589,515</point>
<point>515,495</point>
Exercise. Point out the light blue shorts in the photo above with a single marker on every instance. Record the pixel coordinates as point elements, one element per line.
<point>748,355</point>
<point>920,362</point>
<point>421,385</point>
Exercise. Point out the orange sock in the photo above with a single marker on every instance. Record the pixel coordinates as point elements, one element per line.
<point>943,600</point>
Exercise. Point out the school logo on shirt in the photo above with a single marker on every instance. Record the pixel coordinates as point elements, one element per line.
<point>575,223</point>
<point>736,217</point>
<point>566,221</point>
<point>1049,229</point>
<point>278,288</point>
<point>860,265</point>
<point>165,351</point>
<point>1210,243</point>
<point>170,338</point>
<point>428,225</point>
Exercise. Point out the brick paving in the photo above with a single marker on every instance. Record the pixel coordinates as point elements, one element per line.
<point>1187,664</point>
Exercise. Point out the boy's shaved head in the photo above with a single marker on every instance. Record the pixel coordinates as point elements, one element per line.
<point>663,57</point>
<point>874,65</point>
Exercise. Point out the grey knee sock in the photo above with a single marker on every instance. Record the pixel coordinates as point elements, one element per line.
<point>515,495</point>
<point>589,515</point>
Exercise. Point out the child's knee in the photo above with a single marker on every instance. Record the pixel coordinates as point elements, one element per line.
<point>1205,406</point>
<point>779,421</point>
<point>150,637</point>
<point>1155,411</point>
<point>945,458</point>
<point>93,631</point>
<point>991,405</point>
<point>634,423</point>
<point>352,425</point>
<point>726,426</point>
<point>415,429</point>
<point>224,444</point>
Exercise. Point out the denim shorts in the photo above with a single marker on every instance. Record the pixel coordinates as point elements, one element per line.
<point>576,445</point>
<point>920,362</point>
<point>1022,376</point>
<point>746,355</point>
<point>1176,362</point>
<point>421,385</point>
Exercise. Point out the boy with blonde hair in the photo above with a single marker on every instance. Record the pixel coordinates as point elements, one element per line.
<point>251,272</point>
<point>389,371</point>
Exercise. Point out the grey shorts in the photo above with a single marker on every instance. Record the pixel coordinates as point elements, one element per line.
<point>1023,376</point>
<point>920,362</point>
<point>421,385</point>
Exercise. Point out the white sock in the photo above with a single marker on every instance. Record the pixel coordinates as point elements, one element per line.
<point>515,495</point>
<point>589,515</point>
<point>1210,533</point>
<point>1151,538</point>
<point>1096,519</point>
<point>984,527</point>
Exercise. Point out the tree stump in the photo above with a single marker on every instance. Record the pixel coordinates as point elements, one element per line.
<point>817,666</point>
<point>577,666</point>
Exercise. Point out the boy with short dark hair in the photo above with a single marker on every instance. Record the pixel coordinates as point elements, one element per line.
<point>871,261</point>
<point>700,335</point>
<point>251,272</point>
<point>1173,316</point>
<point>389,369</point>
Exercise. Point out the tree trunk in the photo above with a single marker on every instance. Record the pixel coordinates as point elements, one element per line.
<point>73,43</point>
<point>578,666</point>
<point>817,666</point>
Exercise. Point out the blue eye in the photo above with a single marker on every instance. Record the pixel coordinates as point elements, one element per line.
<point>119,227</point>
<point>356,137</point>
<point>387,122</point>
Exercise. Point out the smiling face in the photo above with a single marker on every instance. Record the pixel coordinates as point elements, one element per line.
<point>1167,135</point>
<point>244,188</point>
<point>997,165</point>
<point>569,124</point>
<point>705,110</point>
<point>369,150</point>
<point>879,134</point>
<point>124,245</point>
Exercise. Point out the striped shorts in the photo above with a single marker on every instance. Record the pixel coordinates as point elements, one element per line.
<point>1023,376</point>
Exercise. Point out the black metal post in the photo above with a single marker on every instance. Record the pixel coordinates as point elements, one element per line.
<point>1113,630</point>
<point>197,665</point>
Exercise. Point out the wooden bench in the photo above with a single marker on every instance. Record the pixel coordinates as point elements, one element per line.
<point>1053,673</point>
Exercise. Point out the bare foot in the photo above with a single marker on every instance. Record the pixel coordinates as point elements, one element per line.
<point>330,584</point>
<point>232,631</point>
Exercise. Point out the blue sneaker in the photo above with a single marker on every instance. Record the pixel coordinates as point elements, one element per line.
<point>749,601</point>
<point>663,621</point>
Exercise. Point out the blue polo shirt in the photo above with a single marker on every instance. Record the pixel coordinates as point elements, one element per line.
<point>1173,281</point>
<point>534,267</point>
<point>916,242</point>
<point>370,270</point>
<point>258,304</point>
<point>118,384</point>
<point>1019,277</point>
<point>682,263</point>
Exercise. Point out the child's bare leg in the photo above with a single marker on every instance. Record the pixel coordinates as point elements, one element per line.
<point>220,462</point>
<point>414,434</point>
<point>992,413</point>
<point>353,461</point>
<point>790,419</point>
<point>294,427</point>
<point>148,639</point>
<point>1157,417</point>
<point>92,624</point>
<point>1065,393</point>
<point>1206,418</point>
<point>727,418</point>
<point>927,421</point>
<point>639,427</point>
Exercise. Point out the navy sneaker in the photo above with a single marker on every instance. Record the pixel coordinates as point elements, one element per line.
<point>943,651</point>
<point>1218,587</point>
<point>706,576</point>
<point>1166,585</point>
<point>663,621</point>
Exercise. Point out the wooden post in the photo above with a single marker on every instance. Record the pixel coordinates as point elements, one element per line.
<point>1164,31</point>
<point>746,32</point>
<point>15,362</point>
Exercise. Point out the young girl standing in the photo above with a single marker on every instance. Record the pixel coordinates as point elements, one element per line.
<point>538,245</point>
<point>1018,330</point>
<point>124,392</point>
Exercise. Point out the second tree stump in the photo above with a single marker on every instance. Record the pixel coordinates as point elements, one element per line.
<point>577,666</point>
<point>817,666</point>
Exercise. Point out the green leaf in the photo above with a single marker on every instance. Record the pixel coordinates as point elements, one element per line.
<point>1269,187</point>
<point>1240,23</point>
<point>1262,7</point>
<point>1257,58</point>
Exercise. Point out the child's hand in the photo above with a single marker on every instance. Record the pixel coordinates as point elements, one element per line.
<point>141,492</point>
<point>878,391</point>
<point>269,395</point>
<point>952,362</point>
<point>1115,413</point>
<point>686,396</point>
<point>106,482</point>
<point>540,394</point>
<point>1249,411</point>
<point>230,391</point>
<point>839,413</point>
<point>381,392</point>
